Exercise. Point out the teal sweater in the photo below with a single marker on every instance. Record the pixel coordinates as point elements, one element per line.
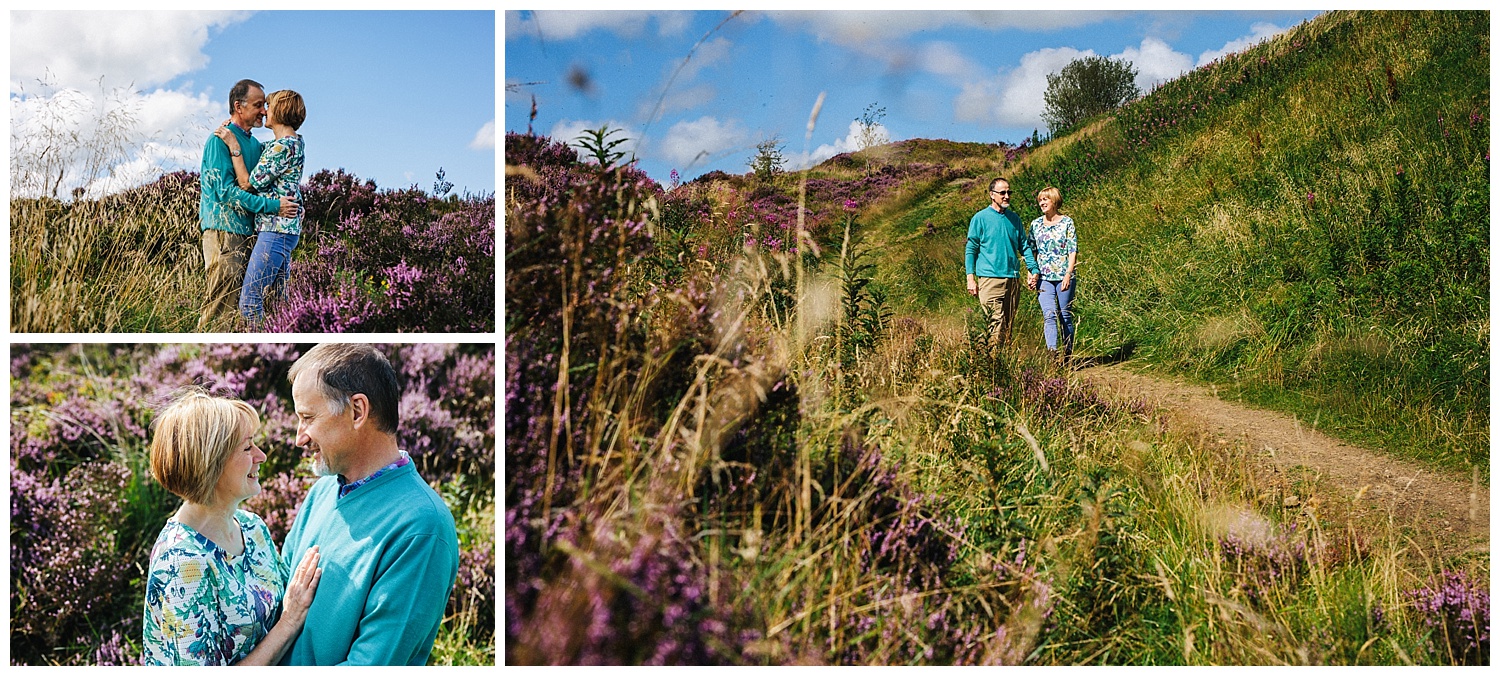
<point>222,205</point>
<point>994,239</point>
<point>389,558</point>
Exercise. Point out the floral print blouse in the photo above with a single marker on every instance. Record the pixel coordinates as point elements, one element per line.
<point>278,174</point>
<point>1053,244</point>
<point>205,606</point>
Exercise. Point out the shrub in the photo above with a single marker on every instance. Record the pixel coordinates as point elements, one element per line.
<point>1087,87</point>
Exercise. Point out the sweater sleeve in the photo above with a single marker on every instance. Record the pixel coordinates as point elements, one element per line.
<point>219,184</point>
<point>971,250</point>
<point>1028,250</point>
<point>408,597</point>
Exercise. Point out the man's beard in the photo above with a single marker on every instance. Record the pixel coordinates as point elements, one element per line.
<point>320,466</point>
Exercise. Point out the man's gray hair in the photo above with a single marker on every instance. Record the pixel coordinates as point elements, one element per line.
<point>347,369</point>
<point>241,91</point>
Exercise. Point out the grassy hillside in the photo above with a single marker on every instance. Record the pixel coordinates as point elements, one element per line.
<point>1304,224</point>
<point>740,431</point>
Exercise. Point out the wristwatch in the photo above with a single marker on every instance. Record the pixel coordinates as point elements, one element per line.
<point>234,153</point>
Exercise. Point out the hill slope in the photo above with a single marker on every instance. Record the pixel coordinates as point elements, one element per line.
<point>1305,223</point>
<point>727,443</point>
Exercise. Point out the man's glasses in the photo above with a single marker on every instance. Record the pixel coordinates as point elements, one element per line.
<point>1001,192</point>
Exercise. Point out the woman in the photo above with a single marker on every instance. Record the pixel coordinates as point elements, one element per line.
<point>277,174</point>
<point>217,583</point>
<point>1057,255</point>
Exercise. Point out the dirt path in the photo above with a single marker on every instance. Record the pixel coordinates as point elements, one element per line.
<point>1452,510</point>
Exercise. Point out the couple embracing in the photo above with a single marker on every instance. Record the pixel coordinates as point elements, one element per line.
<point>249,189</point>
<point>377,547</point>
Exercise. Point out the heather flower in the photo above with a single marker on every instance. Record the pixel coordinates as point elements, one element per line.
<point>85,512</point>
<point>1457,610</point>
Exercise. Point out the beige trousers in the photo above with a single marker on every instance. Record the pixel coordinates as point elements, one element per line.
<point>998,295</point>
<point>224,258</point>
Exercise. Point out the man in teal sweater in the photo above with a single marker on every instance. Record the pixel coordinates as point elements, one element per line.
<point>389,548</point>
<point>226,214</point>
<point>995,234</point>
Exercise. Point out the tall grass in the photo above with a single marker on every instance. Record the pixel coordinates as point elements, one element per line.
<point>371,260</point>
<point>1306,225</point>
<point>692,479</point>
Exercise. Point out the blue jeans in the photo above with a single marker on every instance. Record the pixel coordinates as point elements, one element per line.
<point>1057,303</point>
<point>266,272</point>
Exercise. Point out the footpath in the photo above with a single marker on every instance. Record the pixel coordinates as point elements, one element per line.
<point>1448,512</point>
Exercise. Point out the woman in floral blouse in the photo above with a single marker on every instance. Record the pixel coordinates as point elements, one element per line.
<point>277,174</point>
<point>217,585</point>
<point>1057,255</point>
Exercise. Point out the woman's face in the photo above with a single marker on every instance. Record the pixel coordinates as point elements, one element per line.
<point>1044,202</point>
<point>241,476</point>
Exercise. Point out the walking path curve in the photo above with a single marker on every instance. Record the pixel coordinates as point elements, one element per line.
<point>1453,511</point>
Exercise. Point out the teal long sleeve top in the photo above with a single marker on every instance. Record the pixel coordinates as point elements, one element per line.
<point>222,205</point>
<point>994,239</point>
<point>389,557</point>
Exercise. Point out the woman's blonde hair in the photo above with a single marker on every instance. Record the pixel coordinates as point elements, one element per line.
<point>287,108</point>
<point>192,439</point>
<point>1052,192</point>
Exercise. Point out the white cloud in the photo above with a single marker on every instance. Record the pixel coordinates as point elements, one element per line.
<point>679,99</point>
<point>569,24</point>
<point>943,58</point>
<point>689,142</point>
<point>847,144</point>
<point>683,94</point>
<point>856,27</point>
<point>109,141</point>
<point>1156,62</point>
<point>707,54</point>
<point>1014,98</point>
<point>90,84</point>
<point>74,49</point>
<point>1258,32</point>
<point>484,139</point>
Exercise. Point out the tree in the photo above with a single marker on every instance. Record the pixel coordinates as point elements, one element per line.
<point>1087,87</point>
<point>768,162</point>
<point>871,133</point>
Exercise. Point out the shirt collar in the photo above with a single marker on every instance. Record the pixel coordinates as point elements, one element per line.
<point>347,487</point>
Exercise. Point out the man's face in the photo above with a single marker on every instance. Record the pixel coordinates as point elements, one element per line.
<point>326,434</point>
<point>1000,194</point>
<point>251,112</point>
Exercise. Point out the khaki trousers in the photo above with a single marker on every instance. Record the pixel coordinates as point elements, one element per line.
<point>998,295</point>
<point>224,258</point>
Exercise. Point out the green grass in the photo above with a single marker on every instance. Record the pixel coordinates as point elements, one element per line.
<point>1312,238</point>
<point>1056,526</point>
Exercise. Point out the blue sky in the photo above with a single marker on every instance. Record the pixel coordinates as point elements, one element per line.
<point>959,75</point>
<point>391,95</point>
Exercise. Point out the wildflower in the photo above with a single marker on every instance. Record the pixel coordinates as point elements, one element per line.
<point>850,205</point>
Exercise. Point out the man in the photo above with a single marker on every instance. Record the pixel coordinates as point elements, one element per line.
<point>226,214</point>
<point>995,234</point>
<point>389,548</point>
